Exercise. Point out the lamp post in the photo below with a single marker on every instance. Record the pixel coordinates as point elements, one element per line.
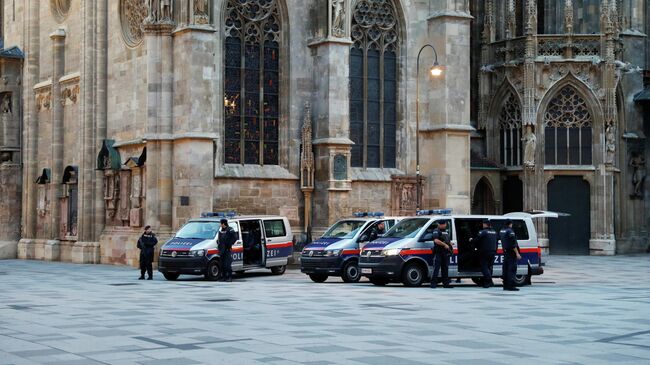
<point>435,70</point>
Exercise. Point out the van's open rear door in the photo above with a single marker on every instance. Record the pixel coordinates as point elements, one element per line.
<point>537,214</point>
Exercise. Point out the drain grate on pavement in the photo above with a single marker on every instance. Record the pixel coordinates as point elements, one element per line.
<point>123,284</point>
<point>219,300</point>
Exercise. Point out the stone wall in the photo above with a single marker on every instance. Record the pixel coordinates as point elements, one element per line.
<point>10,204</point>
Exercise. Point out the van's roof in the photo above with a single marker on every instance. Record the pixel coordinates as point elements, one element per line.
<point>237,217</point>
<point>471,216</point>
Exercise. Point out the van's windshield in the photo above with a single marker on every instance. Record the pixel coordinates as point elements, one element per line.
<point>407,228</point>
<point>199,230</point>
<point>344,229</point>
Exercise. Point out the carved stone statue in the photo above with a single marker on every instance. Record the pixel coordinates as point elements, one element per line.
<point>610,143</point>
<point>530,145</point>
<point>166,10</point>
<point>338,18</point>
<point>201,12</point>
<point>153,9</point>
<point>638,165</point>
<point>6,104</point>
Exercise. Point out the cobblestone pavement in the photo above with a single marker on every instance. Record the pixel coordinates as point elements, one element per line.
<point>585,310</point>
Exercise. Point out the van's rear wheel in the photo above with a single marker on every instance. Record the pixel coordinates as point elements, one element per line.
<point>351,273</point>
<point>413,274</point>
<point>521,280</point>
<point>213,271</point>
<point>318,278</point>
<point>378,281</point>
<point>171,276</point>
<point>278,270</point>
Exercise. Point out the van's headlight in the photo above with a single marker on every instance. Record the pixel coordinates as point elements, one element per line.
<point>391,252</point>
<point>197,253</point>
<point>332,252</point>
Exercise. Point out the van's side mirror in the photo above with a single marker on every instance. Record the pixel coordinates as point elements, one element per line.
<point>426,237</point>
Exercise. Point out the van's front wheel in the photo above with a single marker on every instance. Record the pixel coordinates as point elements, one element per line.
<point>318,278</point>
<point>213,271</point>
<point>413,274</point>
<point>351,273</point>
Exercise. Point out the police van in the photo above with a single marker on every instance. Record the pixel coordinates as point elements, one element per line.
<point>404,254</point>
<point>262,242</point>
<point>336,253</point>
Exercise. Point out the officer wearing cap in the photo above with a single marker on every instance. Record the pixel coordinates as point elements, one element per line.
<point>227,238</point>
<point>510,256</point>
<point>442,250</point>
<point>486,243</point>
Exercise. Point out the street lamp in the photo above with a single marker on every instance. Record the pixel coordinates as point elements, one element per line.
<point>435,70</point>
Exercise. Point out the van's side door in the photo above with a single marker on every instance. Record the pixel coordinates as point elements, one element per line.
<point>237,248</point>
<point>278,245</point>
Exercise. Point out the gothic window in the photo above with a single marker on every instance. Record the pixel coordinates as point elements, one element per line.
<point>510,131</point>
<point>252,80</point>
<point>568,133</point>
<point>373,84</point>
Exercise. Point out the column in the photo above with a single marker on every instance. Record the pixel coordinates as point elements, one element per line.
<point>332,145</point>
<point>102,108</point>
<point>58,69</point>
<point>445,125</point>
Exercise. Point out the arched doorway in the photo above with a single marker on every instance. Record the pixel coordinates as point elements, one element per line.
<point>483,199</point>
<point>569,235</point>
<point>513,195</point>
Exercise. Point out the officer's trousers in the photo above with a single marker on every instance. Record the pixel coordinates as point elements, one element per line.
<point>226,264</point>
<point>486,260</point>
<point>146,264</point>
<point>440,265</point>
<point>509,271</point>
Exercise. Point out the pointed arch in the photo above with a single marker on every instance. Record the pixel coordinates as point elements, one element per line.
<point>375,55</point>
<point>255,59</point>
<point>483,197</point>
<point>506,122</point>
<point>571,120</point>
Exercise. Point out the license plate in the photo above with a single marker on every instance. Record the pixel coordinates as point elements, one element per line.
<point>366,271</point>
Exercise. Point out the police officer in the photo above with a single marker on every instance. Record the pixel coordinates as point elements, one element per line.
<point>442,249</point>
<point>510,256</point>
<point>146,243</point>
<point>486,243</point>
<point>227,238</point>
<point>376,231</point>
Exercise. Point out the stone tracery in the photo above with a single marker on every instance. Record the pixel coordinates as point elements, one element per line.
<point>132,16</point>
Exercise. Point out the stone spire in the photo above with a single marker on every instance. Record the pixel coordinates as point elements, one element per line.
<point>511,19</point>
<point>488,22</point>
<point>568,17</point>
<point>531,17</point>
<point>307,153</point>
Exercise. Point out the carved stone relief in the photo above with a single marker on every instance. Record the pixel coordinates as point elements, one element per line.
<point>124,209</point>
<point>201,12</point>
<point>132,15</point>
<point>71,93</point>
<point>403,195</point>
<point>639,173</point>
<point>43,99</point>
<point>5,104</point>
<point>338,14</point>
<point>60,9</point>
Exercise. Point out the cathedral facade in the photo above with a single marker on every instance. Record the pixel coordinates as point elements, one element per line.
<point>560,94</point>
<point>118,114</point>
<point>135,112</point>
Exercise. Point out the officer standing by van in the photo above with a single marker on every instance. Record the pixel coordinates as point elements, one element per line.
<point>486,243</point>
<point>146,243</point>
<point>227,238</point>
<point>442,250</point>
<point>510,256</point>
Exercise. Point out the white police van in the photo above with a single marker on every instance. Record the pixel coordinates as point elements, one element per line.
<point>404,254</point>
<point>262,242</point>
<point>336,253</point>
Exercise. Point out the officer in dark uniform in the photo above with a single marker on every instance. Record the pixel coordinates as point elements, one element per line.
<point>510,256</point>
<point>376,231</point>
<point>146,243</point>
<point>227,238</point>
<point>442,250</point>
<point>486,243</point>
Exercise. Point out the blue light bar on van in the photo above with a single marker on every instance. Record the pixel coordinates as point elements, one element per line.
<point>368,214</point>
<point>218,214</point>
<point>434,212</point>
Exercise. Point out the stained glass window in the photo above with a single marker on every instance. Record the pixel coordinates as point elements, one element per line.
<point>510,131</point>
<point>252,82</point>
<point>568,133</point>
<point>373,84</point>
